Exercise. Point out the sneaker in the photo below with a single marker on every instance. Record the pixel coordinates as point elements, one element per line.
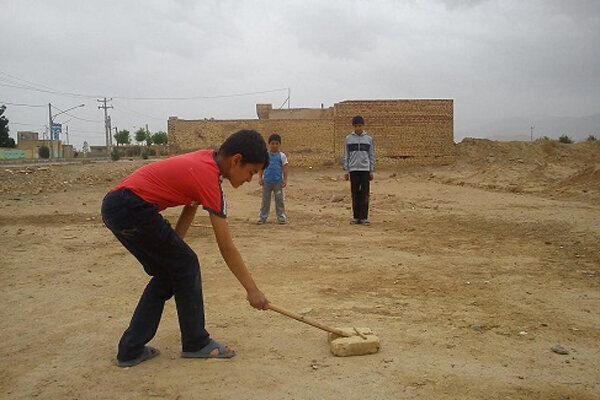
<point>261,221</point>
<point>282,222</point>
<point>355,221</point>
<point>365,222</point>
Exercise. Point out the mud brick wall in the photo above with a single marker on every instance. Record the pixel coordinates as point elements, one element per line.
<point>266,111</point>
<point>306,142</point>
<point>405,132</point>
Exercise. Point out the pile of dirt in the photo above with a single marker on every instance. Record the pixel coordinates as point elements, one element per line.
<point>587,178</point>
<point>543,167</point>
<point>483,151</point>
<point>37,179</point>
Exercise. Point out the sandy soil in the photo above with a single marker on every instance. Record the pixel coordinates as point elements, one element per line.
<point>469,274</point>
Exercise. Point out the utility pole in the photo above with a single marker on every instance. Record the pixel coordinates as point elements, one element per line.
<point>288,100</point>
<point>532,133</point>
<point>51,125</point>
<point>107,130</point>
<point>50,129</point>
<point>67,132</point>
<point>109,122</point>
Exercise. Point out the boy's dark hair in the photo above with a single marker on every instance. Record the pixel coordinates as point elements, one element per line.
<point>274,137</point>
<point>250,144</point>
<point>358,120</point>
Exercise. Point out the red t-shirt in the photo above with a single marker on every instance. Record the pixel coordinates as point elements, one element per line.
<point>181,180</point>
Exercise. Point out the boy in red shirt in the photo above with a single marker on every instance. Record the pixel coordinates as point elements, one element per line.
<point>131,210</point>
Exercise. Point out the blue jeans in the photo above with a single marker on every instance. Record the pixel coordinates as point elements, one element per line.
<point>172,265</point>
<point>267,188</point>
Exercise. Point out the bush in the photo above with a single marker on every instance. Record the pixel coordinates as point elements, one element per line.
<point>152,152</point>
<point>565,139</point>
<point>44,152</point>
<point>145,154</point>
<point>114,154</point>
<point>591,138</point>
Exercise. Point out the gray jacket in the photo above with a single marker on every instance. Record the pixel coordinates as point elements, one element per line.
<point>359,153</point>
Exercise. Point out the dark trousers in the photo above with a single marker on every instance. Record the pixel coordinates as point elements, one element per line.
<point>360,185</point>
<point>170,262</point>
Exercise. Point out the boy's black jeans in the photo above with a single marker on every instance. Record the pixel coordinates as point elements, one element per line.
<point>170,262</point>
<point>360,186</point>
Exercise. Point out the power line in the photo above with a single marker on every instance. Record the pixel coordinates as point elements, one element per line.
<point>137,113</point>
<point>22,104</point>
<point>223,96</point>
<point>47,91</point>
<point>12,78</point>
<point>81,134</point>
<point>17,85</point>
<point>44,105</point>
<point>92,132</point>
<point>79,118</point>
<point>95,121</point>
<point>18,123</point>
<point>201,97</point>
<point>13,83</point>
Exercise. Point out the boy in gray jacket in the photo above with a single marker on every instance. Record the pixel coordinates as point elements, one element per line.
<point>359,164</point>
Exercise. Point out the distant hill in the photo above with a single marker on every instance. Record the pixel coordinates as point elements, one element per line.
<point>577,128</point>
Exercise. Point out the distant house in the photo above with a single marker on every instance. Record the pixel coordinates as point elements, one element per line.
<point>30,144</point>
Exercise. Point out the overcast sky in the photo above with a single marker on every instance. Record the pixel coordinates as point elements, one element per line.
<point>496,59</point>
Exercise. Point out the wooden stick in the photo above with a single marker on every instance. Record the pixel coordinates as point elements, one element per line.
<point>301,318</point>
<point>359,333</point>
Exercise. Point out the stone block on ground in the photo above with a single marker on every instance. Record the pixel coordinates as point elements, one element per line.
<point>354,345</point>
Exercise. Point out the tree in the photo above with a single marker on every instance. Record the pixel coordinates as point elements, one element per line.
<point>149,139</point>
<point>114,154</point>
<point>565,139</point>
<point>140,135</point>
<point>591,138</point>
<point>122,137</point>
<point>160,137</point>
<point>5,139</point>
<point>44,152</point>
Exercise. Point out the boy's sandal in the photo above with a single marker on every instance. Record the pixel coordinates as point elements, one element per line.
<point>212,350</point>
<point>148,353</point>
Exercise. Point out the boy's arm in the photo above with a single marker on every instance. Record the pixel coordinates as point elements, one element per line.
<point>346,155</point>
<point>236,265</point>
<point>260,181</point>
<point>284,176</point>
<point>185,220</point>
<point>372,158</point>
<point>346,176</point>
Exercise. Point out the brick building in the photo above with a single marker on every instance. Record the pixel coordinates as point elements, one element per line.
<point>30,143</point>
<point>406,132</point>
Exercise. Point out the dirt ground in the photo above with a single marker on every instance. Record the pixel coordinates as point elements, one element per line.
<point>469,274</point>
